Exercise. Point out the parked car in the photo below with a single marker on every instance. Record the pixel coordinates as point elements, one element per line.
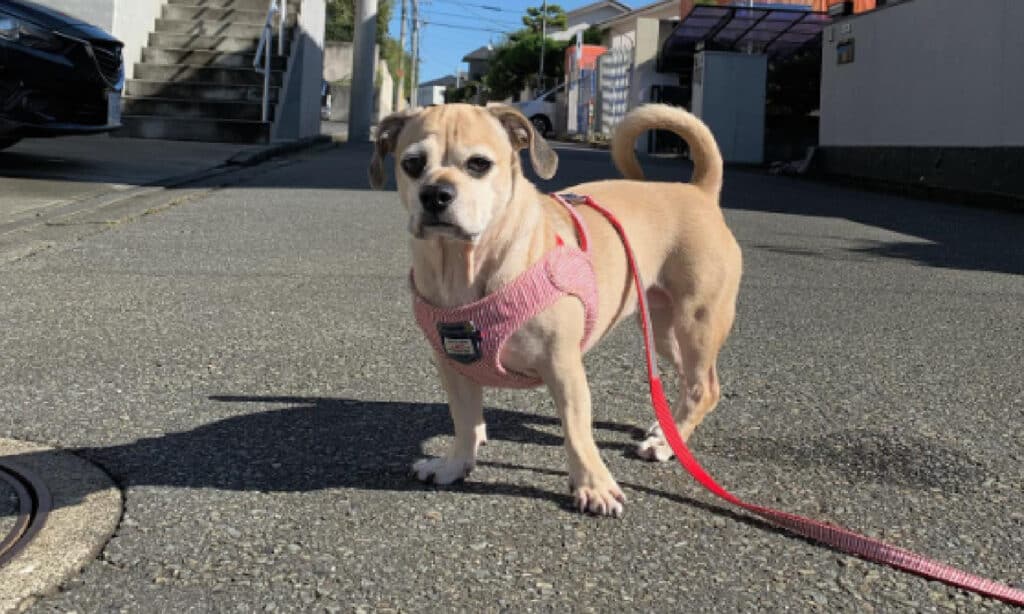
<point>58,75</point>
<point>541,110</point>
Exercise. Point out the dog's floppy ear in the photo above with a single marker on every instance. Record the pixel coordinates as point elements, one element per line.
<point>522,135</point>
<point>385,143</point>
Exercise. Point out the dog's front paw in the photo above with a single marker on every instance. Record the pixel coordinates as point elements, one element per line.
<point>599,496</point>
<point>654,447</point>
<point>442,471</point>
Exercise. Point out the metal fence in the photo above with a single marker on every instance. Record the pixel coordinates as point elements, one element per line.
<point>614,74</point>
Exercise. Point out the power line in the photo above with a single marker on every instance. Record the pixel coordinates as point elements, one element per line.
<point>486,7</point>
<point>460,27</point>
<point>473,17</point>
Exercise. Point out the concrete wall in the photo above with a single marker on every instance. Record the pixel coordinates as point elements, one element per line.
<point>131,21</point>
<point>298,113</point>
<point>99,13</point>
<point>926,73</point>
<point>338,61</point>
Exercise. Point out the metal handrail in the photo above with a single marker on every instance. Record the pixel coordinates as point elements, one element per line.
<point>263,53</point>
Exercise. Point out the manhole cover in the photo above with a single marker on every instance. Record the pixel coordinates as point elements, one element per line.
<point>8,508</point>
<point>24,504</point>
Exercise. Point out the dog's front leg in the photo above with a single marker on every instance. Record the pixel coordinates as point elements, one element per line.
<point>466,405</point>
<point>593,487</point>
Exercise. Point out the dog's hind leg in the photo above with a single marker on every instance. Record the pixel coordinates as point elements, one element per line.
<point>700,332</point>
<point>466,405</point>
<point>666,342</point>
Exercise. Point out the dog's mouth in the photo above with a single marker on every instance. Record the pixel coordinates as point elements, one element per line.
<point>444,229</point>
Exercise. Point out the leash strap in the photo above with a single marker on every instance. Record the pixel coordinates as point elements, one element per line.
<point>829,534</point>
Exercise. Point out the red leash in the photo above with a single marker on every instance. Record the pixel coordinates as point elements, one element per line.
<point>828,534</point>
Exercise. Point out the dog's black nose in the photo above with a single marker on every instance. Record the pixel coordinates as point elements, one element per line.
<point>436,197</point>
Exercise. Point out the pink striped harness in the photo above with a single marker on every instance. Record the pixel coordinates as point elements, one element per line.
<point>471,337</point>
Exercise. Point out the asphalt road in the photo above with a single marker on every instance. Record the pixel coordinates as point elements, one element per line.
<point>38,175</point>
<point>247,368</point>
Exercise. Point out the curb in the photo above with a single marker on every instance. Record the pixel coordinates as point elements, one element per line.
<point>250,158</point>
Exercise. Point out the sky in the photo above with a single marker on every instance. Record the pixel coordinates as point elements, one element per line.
<point>457,27</point>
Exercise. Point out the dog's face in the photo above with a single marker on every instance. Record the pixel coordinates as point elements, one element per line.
<point>457,165</point>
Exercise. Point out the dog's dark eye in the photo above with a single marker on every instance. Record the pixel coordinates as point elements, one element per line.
<point>478,165</point>
<point>414,165</point>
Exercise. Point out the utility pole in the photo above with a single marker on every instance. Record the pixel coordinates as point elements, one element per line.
<point>363,69</point>
<point>401,61</point>
<point>543,41</point>
<point>414,95</point>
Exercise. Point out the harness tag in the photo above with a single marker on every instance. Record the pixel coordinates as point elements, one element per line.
<point>461,341</point>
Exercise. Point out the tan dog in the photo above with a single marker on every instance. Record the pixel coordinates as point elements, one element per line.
<point>495,224</point>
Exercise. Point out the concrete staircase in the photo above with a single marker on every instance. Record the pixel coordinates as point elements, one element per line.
<point>196,81</point>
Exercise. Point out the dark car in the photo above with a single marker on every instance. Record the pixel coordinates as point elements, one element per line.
<point>58,75</point>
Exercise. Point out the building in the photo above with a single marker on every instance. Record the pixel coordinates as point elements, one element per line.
<point>479,61</point>
<point>629,73</point>
<point>189,75</point>
<point>578,20</point>
<point>927,94</point>
<point>433,92</point>
<point>820,6</point>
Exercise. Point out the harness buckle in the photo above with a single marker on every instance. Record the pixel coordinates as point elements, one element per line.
<point>460,341</point>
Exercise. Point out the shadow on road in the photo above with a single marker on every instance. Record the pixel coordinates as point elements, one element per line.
<point>323,443</point>
<point>948,236</point>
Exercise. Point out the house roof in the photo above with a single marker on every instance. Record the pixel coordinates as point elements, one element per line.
<point>640,12</point>
<point>445,81</point>
<point>483,53</point>
<point>594,6</point>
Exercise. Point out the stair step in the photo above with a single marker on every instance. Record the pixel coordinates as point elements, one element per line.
<point>199,91</point>
<point>179,129</point>
<point>184,12</point>
<point>202,57</point>
<point>202,74</point>
<point>194,109</point>
<point>209,28</point>
<point>248,5</point>
<point>209,43</point>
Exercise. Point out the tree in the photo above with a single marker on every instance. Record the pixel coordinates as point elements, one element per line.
<point>340,28</point>
<point>516,61</point>
<point>556,18</point>
<point>341,20</point>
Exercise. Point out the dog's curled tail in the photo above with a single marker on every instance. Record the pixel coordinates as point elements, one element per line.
<point>707,160</point>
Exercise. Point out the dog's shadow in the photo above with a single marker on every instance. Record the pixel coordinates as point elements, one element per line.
<point>314,444</point>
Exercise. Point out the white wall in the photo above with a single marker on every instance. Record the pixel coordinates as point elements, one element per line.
<point>430,94</point>
<point>298,113</point>
<point>99,13</point>
<point>130,21</point>
<point>133,21</point>
<point>927,73</point>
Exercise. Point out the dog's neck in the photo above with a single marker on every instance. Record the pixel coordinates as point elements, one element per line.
<point>450,273</point>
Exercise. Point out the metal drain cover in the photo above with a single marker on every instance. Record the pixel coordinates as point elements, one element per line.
<point>29,502</point>
<point>57,510</point>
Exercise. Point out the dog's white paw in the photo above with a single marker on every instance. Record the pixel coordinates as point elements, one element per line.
<point>654,448</point>
<point>442,471</point>
<point>600,497</point>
